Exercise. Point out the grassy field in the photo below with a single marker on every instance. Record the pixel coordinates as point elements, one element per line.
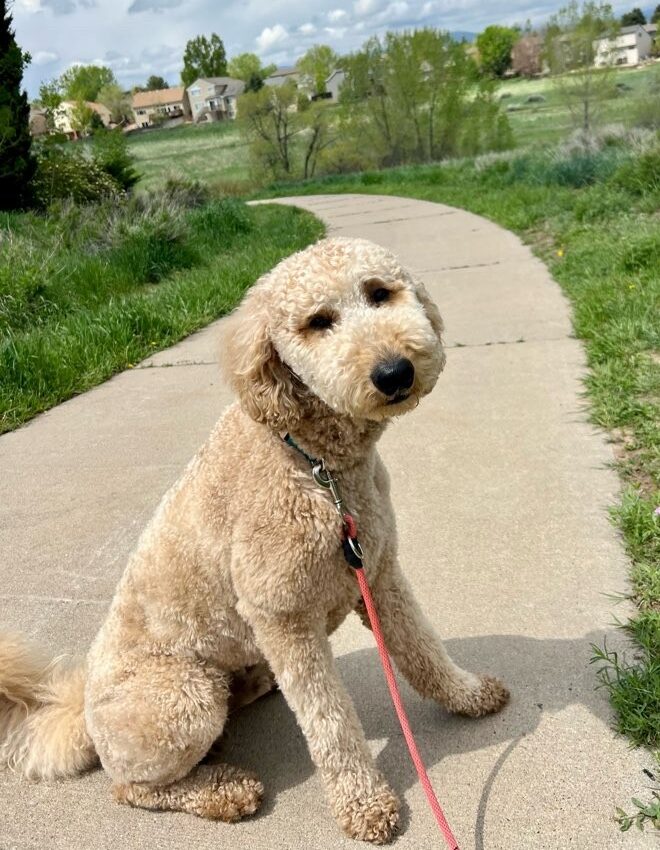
<point>88,291</point>
<point>217,153</point>
<point>593,218</point>
<point>206,152</point>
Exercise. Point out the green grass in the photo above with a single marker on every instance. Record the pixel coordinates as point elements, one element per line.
<point>89,291</point>
<point>205,152</point>
<point>594,218</point>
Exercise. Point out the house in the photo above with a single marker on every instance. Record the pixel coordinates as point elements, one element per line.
<point>38,122</point>
<point>652,30</point>
<point>283,75</point>
<point>629,47</point>
<point>64,118</point>
<point>161,107</point>
<point>527,56</point>
<point>334,83</point>
<point>214,98</point>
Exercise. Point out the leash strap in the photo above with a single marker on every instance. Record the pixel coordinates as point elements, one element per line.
<point>354,558</point>
<point>436,808</point>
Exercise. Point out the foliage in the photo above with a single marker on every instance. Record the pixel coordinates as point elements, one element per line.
<point>117,101</point>
<point>84,82</point>
<point>82,118</point>
<point>203,57</point>
<point>248,67</point>
<point>495,44</point>
<point>64,172</point>
<point>655,17</point>
<point>110,153</point>
<point>647,113</point>
<point>316,66</point>
<point>269,121</point>
<point>50,97</point>
<point>17,163</point>
<point>90,290</point>
<point>156,82</point>
<point>571,50</point>
<point>414,97</point>
<point>646,812</point>
<point>635,16</point>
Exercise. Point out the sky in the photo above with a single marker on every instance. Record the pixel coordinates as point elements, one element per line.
<point>137,38</point>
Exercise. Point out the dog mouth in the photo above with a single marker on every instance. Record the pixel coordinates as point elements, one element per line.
<point>398,398</point>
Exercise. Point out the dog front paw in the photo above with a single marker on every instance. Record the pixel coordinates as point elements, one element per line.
<point>489,697</point>
<point>369,816</point>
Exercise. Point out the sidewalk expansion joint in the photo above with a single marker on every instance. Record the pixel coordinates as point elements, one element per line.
<point>179,363</point>
<point>508,342</point>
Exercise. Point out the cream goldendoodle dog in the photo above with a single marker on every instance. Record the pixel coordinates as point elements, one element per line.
<point>232,580</point>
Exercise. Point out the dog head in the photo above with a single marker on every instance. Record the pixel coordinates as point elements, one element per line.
<point>341,321</point>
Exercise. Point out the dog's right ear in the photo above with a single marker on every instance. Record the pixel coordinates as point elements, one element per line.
<point>264,385</point>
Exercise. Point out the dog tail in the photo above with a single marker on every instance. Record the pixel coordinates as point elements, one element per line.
<point>42,721</point>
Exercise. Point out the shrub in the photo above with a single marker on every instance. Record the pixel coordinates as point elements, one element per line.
<point>70,174</point>
<point>640,175</point>
<point>110,154</point>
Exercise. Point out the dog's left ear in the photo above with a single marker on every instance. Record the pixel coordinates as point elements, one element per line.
<point>263,383</point>
<point>430,308</point>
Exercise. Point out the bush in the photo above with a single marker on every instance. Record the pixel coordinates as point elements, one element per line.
<point>70,174</point>
<point>110,154</point>
<point>640,175</point>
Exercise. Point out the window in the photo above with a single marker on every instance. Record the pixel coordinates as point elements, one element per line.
<point>194,90</point>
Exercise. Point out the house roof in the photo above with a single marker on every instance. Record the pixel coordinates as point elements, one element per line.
<point>232,86</point>
<point>159,97</point>
<point>650,28</point>
<point>631,28</point>
<point>283,72</point>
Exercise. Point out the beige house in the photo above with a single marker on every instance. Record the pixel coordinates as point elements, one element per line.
<point>64,116</point>
<point>629,47</point>
<point>162,107</point>
<point>214,98</point>
<point>38,122</point>
<point>283,75</point>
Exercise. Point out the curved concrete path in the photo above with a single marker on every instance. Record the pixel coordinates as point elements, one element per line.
<point>501,489</point>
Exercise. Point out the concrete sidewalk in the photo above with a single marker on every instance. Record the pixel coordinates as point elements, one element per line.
<point>501,489</point>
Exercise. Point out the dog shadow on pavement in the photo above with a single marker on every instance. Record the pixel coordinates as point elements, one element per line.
<point>544,676</point>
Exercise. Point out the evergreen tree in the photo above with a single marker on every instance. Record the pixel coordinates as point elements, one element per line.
<point>635,16</point>
<point>655,17</point>
<point>17,164</point>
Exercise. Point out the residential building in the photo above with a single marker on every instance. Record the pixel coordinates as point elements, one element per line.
<point>38,121</point>
<point>214,98</point>
<point>64,116</point>
<point>527,56</point>
<point>283,75</point>
<point>161,107</point>
<point>629,47</point>
<point>334,83</point>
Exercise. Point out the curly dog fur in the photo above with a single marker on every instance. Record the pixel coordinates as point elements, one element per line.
<point>232,580</point>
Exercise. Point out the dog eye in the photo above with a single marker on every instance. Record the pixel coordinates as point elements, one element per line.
<point>380,295</point>
<point>320,322</point>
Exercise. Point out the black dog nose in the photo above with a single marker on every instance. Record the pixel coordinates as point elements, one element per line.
<point>393,376</point>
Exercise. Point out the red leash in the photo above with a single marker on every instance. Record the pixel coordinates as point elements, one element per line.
<point>436,808</point>
<point>354,557</point>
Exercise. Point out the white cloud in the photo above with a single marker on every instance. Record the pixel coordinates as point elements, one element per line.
<point>44,57</point>
<point>28,6</point>
<point>365,7</point>
<point>270,36</point>
<point>336,15</point>
<point>307,29</point>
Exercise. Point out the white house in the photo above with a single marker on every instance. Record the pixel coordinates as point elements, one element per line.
<point>64,116</point>
<point>629,47</point>
<point>283,75</point>
<point>214,98</point>
<point>334,83</point>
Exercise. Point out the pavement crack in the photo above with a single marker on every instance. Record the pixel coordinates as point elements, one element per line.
<point>506,342</point>
<point>178,363</point>
<point>34,597</point>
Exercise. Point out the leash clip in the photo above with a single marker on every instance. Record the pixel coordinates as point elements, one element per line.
<point>324,479</point>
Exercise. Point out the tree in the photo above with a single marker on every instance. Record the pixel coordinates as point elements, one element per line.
<point>155,83</point>
<point>411,97</point>
<point>50,97</point>
<point>82,118</point>
<point>316,66</point>
<point>117,101</point>
<point>655,17</point>
<point>495,44</point>
<point>84,82</point>
<point>269,120</point>
<point>203,57</point>
<point>635,16</point>
<point>318,136</point>
<point>578,56</point>
<point>17,164</point>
